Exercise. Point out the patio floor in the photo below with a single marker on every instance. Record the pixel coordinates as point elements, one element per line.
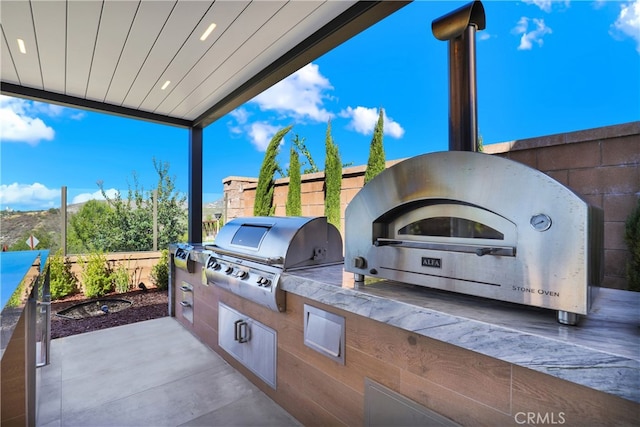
<point>152,373</point>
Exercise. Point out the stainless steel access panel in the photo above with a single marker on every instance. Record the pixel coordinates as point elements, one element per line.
<point>249,342</point>
<point>481,225</point>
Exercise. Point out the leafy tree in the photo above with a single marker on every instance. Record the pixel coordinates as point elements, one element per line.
<point>263,205</point>
<point>130,223</point>
<point>333,180</point>
<point>88,230</point>
<point>172,219</point>
<point>294,198</point>
<point>376,161</point>
<point>126,224</point>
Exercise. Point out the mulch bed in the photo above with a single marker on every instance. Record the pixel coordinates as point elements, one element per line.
<point>146,305</point>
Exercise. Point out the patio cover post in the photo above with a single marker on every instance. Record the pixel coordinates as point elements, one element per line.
<point>195,185</point>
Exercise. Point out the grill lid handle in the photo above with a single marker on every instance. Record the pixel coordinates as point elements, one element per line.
<point>262,260</point>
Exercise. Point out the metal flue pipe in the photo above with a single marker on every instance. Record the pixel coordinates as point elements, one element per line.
<point>459,29</point>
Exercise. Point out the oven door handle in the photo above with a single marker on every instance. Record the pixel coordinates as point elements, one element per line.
<point>448,247</point>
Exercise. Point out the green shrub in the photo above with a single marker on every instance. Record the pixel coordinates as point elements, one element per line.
<point>632,237</point>
<point>19,296</point>
<point>96,275</point>
<point>62,280</point>
<point>120,277</point>
<point>160,271</point>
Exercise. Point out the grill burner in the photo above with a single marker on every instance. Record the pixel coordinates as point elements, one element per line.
<point>480,225</point>
<point>249,254</point>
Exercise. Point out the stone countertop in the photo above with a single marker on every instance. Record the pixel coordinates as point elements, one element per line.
<point>602,352</point>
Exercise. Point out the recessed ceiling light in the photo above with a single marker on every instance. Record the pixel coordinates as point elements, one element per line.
<point>21,46</point>
<point>164,86</point>
<point>204,35</point>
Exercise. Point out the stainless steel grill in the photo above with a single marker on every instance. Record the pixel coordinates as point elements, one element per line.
<point>480,225</point>
<point>249,254</point>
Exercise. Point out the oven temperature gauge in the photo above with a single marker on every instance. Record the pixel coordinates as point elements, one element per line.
<point>540,222</point>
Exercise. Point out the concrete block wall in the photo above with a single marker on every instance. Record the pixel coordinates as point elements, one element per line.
<point>602,165</point>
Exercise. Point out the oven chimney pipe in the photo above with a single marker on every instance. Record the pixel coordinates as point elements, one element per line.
<point>459,28</point>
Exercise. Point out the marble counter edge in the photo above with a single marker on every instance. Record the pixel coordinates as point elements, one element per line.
<point>595,369</point>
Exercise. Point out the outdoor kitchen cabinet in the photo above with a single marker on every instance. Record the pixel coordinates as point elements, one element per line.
<point>464,362</point>
<point>248,341</point>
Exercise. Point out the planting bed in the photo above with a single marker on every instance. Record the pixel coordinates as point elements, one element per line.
<point>144,306</point>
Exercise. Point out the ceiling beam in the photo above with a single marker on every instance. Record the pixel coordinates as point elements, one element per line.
<point>33,94</point>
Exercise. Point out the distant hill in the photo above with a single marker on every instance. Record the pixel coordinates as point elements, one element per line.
<point>14,225</point>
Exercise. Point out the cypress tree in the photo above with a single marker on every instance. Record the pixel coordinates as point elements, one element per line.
<point>299,145</point>
<point>294,198</point>
<point>376,161</point>
<point>332,180</point>
<point>264,191</point>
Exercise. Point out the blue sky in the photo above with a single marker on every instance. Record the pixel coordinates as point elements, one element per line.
<point>543,67</point>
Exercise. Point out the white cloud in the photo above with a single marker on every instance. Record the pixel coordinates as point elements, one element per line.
<point>484,35</point>
<point>18,121</point>
<point>547,5</point>
<point>35,195</point>
<point>240,114</point>
<point>534,36</point>
<point>628,22</point>
<point>97,195</point>
<point>261,134</point>
<point>363,120</point>
<point>300,95</point>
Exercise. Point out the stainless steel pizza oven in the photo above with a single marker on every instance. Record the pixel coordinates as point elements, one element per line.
<point>481,225</point>
<point>249,254</point>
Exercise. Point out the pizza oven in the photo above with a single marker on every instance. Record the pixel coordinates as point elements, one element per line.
<point>480,225</point>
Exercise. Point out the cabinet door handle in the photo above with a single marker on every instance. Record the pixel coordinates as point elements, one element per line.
<point>185,303</point>
<point>241,331</point>
<point>185,288</point>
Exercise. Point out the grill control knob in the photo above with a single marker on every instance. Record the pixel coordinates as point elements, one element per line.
<point>228,269</point>
<point>241,274</point>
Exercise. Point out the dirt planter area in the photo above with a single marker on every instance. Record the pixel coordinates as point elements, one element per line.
<point>145,305</point>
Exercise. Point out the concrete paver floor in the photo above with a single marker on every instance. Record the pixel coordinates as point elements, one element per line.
<point>152,373</point>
